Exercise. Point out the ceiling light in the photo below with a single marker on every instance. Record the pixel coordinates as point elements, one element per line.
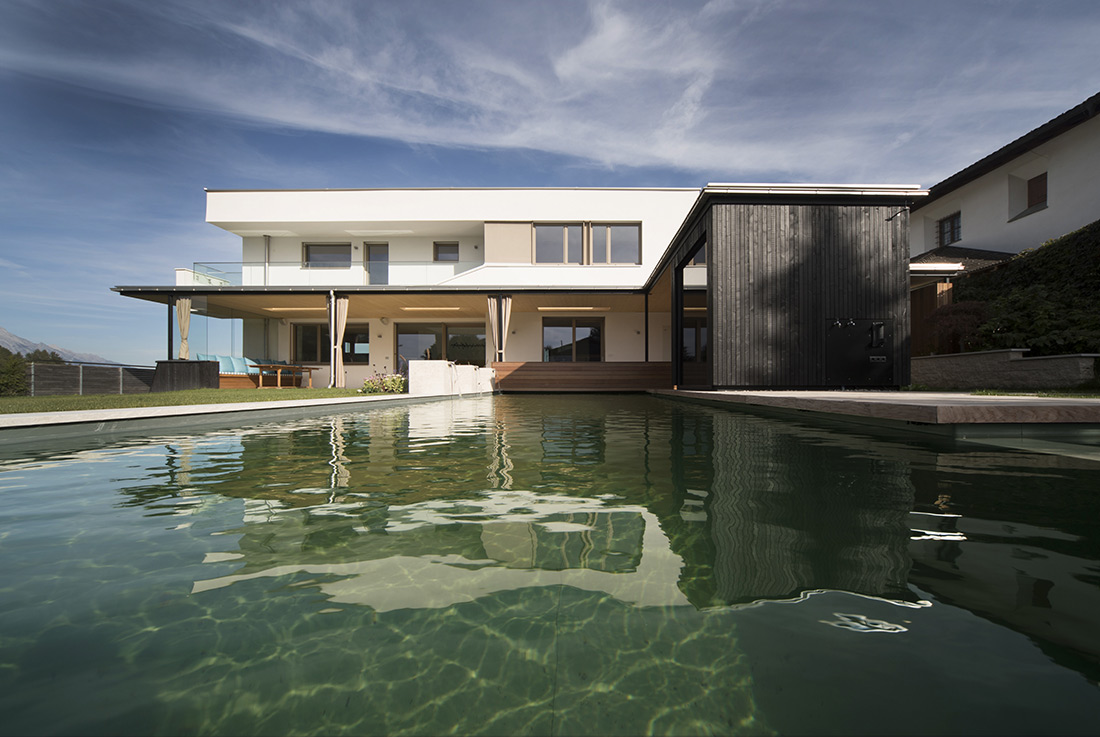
<point>572,309</point>
<point>430,309</point>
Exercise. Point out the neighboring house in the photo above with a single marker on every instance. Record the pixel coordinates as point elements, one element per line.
<point>734,285</point>
<point>1039,187</point>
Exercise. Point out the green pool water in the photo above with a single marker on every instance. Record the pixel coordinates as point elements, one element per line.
<point>541,565</point>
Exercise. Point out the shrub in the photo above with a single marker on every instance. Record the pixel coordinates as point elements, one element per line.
<point>956,327</point>
<point>388,384</point>
<point>13,376</point>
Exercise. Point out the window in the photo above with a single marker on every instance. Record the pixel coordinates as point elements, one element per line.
<point>616,244</point>
<point>357,344</point>
<point>588,243</point>
<point>463,344</point>
<point>558,244</point>
<point>378,263</point>
<point>326,255</point>
<point>311,344</point>
<point>445,251</point>
<point>949,229</point>
<point>1037,191</point>
<point>572,339</point>
<point>695,339</point>
<point>700,257</point>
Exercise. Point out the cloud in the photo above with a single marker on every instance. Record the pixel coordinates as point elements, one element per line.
<point>749,88</point>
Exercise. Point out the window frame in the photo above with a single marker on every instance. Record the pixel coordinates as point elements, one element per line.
<point>309,263</point>
<point>321,337</point>
<point>952,225</point>
<point>586,257</point>
<point>445,339</point>
<point>437,251</point>
<point>600,325</point>
<point>609,243</point>
<point>1035,185</point>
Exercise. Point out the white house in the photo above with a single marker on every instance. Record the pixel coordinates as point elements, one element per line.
<point>1041,186</point>
<point>561,288</point>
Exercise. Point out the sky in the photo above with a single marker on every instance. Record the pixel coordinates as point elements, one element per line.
<point>116,114</point>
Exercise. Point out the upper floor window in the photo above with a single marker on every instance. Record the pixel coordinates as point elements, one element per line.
<point>949,229</point>
<point>445,252</point>
<point>558,244</point>
<point>616,244</point>
<point>588,243</point>
<point>1037,190</point>
<point>326,255</point>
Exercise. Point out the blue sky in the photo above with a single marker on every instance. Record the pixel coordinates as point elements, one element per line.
<point>114,115</point>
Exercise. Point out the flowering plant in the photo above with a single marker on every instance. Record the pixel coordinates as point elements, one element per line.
<point>388,384</point>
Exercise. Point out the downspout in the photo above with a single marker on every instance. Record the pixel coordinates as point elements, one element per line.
<point>645,325</point>
<point>267,260</point>
<point>171,310</point>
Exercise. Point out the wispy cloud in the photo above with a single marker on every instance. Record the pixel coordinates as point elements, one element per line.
<point>744,87</point>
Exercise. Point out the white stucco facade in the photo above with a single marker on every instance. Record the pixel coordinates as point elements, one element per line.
<point>993,207</point>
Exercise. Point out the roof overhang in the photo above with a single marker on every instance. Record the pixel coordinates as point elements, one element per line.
<point>310,303</point>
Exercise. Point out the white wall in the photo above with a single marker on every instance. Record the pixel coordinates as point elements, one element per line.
<point>1072,163</point>
<point>342,216</point>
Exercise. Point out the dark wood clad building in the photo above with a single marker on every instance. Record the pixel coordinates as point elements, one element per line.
<point>791,286</point>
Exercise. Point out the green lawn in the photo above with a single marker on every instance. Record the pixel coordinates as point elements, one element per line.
<point>11,405</point>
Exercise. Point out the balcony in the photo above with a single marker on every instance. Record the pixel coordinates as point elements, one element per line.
<point>296,274</point>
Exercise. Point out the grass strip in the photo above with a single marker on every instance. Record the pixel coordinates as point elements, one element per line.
<point>14,405</point>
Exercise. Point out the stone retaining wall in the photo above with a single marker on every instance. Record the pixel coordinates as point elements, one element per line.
<point>1005,369</point>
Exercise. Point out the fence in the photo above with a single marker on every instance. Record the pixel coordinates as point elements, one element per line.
<point>1004,369</point>
<point>45,379</point>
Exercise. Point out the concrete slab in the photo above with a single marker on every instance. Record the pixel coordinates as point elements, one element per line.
<point>935,408</point>
<point>1064,426</point>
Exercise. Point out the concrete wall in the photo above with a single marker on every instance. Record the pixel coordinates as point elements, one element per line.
<point>989,204</point>
<point>436,378</point>
<point>1005,369</point>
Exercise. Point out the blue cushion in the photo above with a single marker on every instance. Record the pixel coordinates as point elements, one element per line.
<point>239,366</point>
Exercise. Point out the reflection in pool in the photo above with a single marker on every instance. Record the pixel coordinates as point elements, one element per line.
<point>547,565</point>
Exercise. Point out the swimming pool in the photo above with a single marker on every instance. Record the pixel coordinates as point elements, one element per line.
<point>574,564</point>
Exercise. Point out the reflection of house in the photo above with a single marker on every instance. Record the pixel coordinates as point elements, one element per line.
<point>808,281</point>
<point>1040,186</point>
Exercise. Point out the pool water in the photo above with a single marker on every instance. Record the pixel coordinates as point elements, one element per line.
<point>545,565</point>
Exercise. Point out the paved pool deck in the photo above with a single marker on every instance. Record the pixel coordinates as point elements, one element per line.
<point>1062,425</point>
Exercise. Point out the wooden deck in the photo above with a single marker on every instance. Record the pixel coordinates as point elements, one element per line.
<point>536,376</point>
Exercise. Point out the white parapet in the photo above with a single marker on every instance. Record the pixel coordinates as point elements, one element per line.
<point>443,378</point>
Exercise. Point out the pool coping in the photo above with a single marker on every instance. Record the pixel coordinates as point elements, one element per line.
<point>1067,426</point>
<point>31,427</point>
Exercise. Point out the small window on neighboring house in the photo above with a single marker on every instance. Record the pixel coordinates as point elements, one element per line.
<point>446,251</point>
<point>326,255</point>
<point>949,229</point>
<point>1037,190</point>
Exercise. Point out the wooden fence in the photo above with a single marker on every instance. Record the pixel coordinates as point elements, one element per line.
<point>45,379</point>
<point>598,376</point>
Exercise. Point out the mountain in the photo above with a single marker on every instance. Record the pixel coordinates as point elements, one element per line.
<point>15,344</point>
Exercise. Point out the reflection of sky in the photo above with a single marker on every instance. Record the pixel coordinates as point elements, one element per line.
<point>518,531</point>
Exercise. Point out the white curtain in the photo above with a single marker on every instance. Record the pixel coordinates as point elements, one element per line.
<point>498,323</point>
<point>505,319</point>
<point>338,320</point>
<point>183,317</point>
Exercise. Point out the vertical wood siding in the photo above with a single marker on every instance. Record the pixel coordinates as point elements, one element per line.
<point>778,272</point>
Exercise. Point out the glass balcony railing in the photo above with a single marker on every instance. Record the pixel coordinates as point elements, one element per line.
<point>297,274</point>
